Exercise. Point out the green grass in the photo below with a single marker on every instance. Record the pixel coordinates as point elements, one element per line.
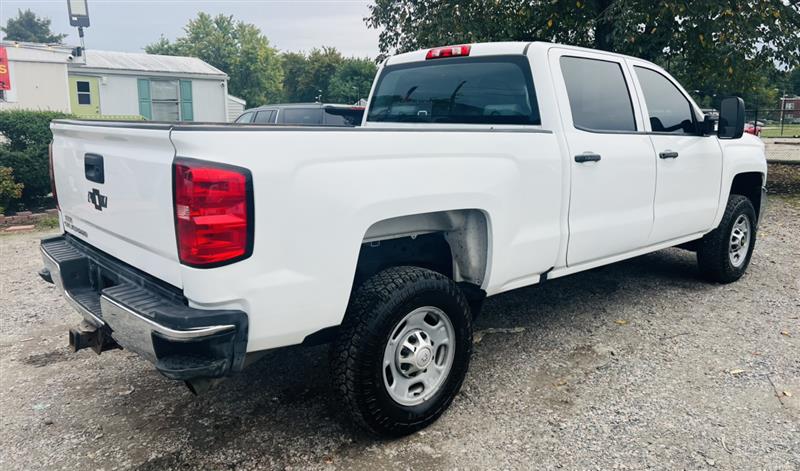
<point>789,130</point>
<point>47,223</point>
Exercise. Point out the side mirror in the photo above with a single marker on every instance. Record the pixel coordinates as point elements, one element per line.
<point>731,118</point>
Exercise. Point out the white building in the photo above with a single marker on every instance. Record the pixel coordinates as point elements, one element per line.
<point>236,107</point>
<point>38,77</point>
<point>122,85</point>
<point>158,88</point>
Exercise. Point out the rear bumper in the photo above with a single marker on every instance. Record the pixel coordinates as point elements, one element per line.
<point>143,314</point>
<point>762,205</point>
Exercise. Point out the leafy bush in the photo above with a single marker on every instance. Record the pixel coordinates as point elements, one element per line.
<point>9,189</point>
<point>27,135</point>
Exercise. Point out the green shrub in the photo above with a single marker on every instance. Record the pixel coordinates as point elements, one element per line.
<point>32,170</point>
<point>9,189</point>
<point>27,135</point>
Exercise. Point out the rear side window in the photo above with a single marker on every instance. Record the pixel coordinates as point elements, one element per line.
<point>303,116</point>
<point>668,110</point>
<point>245,118</point>
<point>467,90</point>
<point>264,117</point>
<point>598,95</point>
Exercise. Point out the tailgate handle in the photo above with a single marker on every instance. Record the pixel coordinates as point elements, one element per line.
<point>93,165</point>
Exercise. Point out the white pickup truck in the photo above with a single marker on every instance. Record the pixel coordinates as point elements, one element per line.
<point>478,169</point>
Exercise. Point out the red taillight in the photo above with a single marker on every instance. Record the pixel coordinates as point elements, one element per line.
<point>448,51</point>
<point>213,213</point>
<point>52,174</point>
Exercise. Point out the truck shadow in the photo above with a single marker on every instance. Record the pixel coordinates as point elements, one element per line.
<point>285,398</point>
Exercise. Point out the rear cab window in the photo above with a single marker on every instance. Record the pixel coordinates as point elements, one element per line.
<point>464,90</point>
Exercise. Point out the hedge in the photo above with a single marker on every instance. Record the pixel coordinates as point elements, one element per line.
<point>27,135</point>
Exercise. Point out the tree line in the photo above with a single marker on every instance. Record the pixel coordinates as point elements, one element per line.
<point>714,48</point>
<point>735,47</point>
<point>260,74</point>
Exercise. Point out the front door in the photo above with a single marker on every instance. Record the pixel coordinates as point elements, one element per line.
<point>84,95</point>
<point>689,163</point>
<point>613,169</point>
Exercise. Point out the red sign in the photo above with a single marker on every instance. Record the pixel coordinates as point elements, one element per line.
<point>5,77</point>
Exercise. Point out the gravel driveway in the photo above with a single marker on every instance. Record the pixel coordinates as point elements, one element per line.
<point>635,365</point>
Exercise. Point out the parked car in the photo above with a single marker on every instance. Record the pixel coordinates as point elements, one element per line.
<point>750,128</point>
<point>305,114</point>
<point>479,169</point>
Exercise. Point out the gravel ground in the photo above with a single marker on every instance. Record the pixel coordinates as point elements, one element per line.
<point>635,365</point>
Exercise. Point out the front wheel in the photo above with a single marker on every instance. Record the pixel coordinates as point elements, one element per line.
<point>724,253</point>
<point>403,350</point>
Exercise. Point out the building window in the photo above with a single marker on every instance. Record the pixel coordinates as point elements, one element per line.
<point>2,96</point>
<point>789,105</point>
<point>165,99</point>
<point>84,93</point>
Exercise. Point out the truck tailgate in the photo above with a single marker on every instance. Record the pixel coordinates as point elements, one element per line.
<point>114,185</point>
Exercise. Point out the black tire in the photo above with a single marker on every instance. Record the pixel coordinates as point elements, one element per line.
<point>713,249</point>
<point>375,309</point>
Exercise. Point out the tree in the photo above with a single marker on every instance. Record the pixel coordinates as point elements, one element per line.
<point>28,27</point>
<point>352,80</point>
<point>718,47</point>
<point>294,67</point>
<point>235,47</point>
<point>308,78</point>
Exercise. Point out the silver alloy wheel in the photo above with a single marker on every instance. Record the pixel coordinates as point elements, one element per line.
<point>740,241</point>
<point>418,356</point>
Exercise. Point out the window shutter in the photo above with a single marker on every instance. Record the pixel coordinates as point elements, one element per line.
<point>187,112</point>
<point>145,104</point>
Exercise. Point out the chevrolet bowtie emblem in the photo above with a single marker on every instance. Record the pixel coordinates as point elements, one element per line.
<point>99,201</point>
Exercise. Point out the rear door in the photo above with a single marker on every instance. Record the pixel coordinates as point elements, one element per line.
<point>84,96</point>
<point>612,164</point>
<point>114,185</point>
<point>689,164</point>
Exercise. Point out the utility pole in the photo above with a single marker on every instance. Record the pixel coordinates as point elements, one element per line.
<point>783,107</point>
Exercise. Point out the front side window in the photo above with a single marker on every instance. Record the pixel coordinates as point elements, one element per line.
<point>84,92</point>
<point>245,118</point>
<point>467,90</point>
<point>669,111</point>
<point>166,100</point>
<point>598,95</point>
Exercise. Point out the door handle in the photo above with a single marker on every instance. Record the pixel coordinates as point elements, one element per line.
<point>587,157</point>
<point>668,154</point>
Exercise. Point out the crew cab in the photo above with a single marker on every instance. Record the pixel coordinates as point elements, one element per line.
<point>478,169</point>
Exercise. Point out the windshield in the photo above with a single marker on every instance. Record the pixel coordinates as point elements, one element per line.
<point>469,90</point>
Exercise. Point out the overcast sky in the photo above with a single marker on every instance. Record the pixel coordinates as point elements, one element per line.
<point>129,25</point>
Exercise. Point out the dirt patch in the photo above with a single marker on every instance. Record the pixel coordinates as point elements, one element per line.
<point>783,179</point>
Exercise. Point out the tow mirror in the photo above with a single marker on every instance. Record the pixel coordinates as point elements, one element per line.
<point>731,118</point>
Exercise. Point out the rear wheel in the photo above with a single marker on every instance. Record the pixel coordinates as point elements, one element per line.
<point>403,350</point>
<point>724,253</point>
